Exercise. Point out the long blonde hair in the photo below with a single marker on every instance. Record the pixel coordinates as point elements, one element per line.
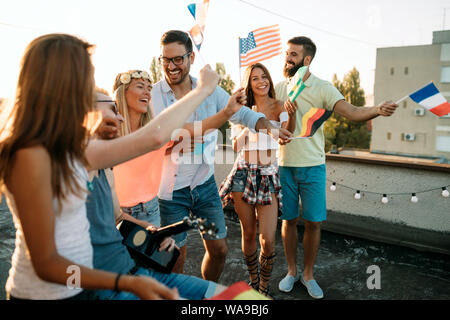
<point>55,91</point>
<point>121,84</point>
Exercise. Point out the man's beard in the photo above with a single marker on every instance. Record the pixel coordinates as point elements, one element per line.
<point>184,74</point>
<point>290,72</point>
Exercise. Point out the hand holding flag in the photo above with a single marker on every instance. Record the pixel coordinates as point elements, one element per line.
<point>431,99</point>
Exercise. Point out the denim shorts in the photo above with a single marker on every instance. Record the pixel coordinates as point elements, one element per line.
<point>189,287</point>
<point>203,201</point>
<point>240,180</point>
<point>148,211</point>
<point>309,183</point>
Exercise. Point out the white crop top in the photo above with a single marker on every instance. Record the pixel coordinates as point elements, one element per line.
<point>260,140</point>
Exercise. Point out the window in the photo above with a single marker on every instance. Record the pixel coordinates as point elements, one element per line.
<point>445,52</point>
<point>443,143</point>
<point>389,136</point>
<point>404,104</point>
<point>406,70</point>
<point>392,71</point>
<point>445,74</point>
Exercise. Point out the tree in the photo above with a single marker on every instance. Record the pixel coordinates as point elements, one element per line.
<point>340,131</point>
<point>228,85</point>
<point>155,70</point>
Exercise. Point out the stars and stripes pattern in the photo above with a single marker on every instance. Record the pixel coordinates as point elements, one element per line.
<point>261,44</point>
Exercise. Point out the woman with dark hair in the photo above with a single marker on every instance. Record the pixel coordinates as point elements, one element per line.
<point>253,183</point>
<point>45,156</point>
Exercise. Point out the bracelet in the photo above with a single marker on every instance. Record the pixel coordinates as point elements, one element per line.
<point>116,282</point>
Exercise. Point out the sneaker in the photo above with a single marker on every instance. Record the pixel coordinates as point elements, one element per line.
<point>287,283</point>
<point>313,288</point>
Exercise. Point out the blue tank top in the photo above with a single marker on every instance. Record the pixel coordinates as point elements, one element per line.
<point>109,252</point>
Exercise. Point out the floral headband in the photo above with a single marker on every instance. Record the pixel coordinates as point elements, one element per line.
<point>126,77</point>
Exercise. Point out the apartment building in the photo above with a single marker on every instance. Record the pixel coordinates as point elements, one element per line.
<point>412,130</point>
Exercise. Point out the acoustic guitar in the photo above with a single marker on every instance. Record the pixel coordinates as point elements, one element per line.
<point>143,244</point>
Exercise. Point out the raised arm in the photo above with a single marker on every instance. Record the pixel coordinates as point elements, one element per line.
<point>353,113</point>
<point>105,154</point>
<point>236,101</point>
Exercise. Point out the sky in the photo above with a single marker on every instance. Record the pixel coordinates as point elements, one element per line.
<point>127,33</point>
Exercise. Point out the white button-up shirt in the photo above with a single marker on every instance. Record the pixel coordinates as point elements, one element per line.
<point>176,174</point>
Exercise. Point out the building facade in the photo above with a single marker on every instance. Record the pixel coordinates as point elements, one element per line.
<point>412,130</point>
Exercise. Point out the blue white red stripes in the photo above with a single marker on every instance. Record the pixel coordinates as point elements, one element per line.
<point>198,11</point>
<point>430,98</point>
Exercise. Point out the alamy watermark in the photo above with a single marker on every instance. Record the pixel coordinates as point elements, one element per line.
<point>74,280</point>
<point>373,281</point>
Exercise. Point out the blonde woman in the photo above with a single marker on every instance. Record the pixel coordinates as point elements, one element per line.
<point>45,156</point>
<point>137,181</point>
<point>253,183</point>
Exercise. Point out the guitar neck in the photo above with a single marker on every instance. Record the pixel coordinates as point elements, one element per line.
<point>172,229</point>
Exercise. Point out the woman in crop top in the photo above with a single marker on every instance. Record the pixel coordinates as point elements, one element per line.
<point>45,155</point>
<point>253,183</point>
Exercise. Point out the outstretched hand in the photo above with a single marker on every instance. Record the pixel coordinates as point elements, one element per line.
<point>284,136</point>
<point>236,101</point>
<point>387,108</point>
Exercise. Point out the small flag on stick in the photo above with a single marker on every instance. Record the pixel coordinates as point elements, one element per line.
<point>431,99</point>
<point>296,84</point>
<point>239,291</point>
<point>198,11</point>
<point>313,119</point>
<point>261,44</point>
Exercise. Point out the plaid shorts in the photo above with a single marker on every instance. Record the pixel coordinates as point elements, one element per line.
<point>260,182</point>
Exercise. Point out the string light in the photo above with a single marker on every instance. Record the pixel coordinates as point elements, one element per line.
<point>414,199</point>
<point>333,186</point>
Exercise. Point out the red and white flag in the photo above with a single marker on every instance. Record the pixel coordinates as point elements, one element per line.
<point>261,44</point>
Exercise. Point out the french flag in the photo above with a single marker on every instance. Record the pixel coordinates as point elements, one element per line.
<point>430,98</point>
<point>198,11</point>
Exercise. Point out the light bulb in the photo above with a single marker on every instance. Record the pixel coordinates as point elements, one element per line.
<point>333,186</point>
<point>445,192</point>
<point>357,195</point>
<point>414,198</point>
<point>384,199</point>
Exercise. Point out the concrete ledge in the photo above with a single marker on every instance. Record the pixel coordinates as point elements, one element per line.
<point>384,231</point>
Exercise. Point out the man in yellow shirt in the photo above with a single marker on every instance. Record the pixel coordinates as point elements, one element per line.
<point>302,161</point>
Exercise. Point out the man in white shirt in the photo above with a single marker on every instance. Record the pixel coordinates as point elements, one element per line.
<point>190,187</point>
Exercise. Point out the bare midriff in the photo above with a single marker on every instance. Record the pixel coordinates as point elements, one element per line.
<point>260,157</point>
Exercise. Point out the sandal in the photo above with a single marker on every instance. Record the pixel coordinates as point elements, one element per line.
<point>252,265</point>
<point>266,263</point>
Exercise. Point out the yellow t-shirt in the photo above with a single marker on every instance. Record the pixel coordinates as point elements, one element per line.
<point>307,152</point>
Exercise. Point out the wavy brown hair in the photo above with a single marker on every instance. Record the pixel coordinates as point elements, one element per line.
<point>55,91</point>
<point>248,87</point>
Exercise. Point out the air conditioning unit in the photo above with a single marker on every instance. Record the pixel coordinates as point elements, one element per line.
<point>409,137</point>
<point>419,112</point>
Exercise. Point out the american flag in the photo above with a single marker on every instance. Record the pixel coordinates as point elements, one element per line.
<point>261,44</point>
